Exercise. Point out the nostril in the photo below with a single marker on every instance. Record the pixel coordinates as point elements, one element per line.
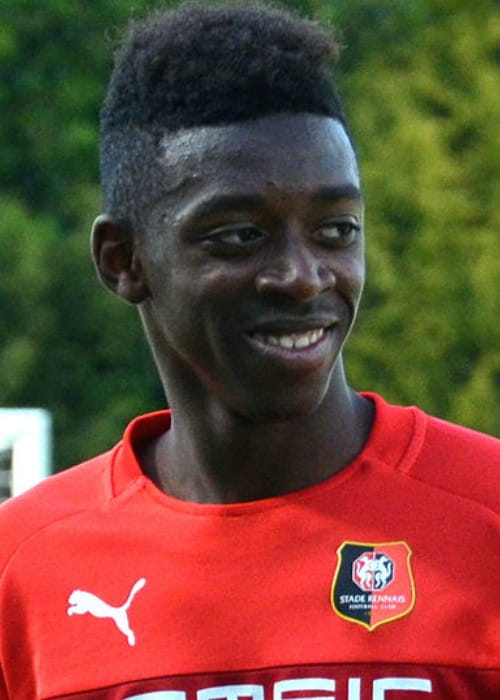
<point>298,281</point>
<point>276,276</point>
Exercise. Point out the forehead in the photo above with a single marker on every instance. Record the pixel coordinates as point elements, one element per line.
<point>291,152</point>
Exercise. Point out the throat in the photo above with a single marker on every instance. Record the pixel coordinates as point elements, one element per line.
<point>248,462</point>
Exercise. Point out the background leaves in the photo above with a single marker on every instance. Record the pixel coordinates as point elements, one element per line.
<point>420,82</point>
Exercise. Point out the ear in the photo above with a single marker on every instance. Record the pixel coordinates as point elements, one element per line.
<point>117,261</point>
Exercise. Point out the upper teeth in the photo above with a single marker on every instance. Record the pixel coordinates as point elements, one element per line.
<point>292,340</point>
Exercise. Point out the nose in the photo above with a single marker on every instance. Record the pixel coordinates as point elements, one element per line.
<point>296,272</point>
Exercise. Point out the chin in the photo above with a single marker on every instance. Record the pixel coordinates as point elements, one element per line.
<point>290,408</point>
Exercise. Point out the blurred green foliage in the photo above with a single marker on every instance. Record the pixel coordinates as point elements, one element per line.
<point>420,83</point>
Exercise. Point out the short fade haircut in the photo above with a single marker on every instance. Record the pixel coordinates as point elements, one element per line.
<point>204,65</point>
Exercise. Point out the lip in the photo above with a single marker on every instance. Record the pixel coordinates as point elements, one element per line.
<point>288,325</point>
<point>299,359</point>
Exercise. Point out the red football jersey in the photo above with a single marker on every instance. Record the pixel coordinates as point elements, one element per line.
<point>380,583</point>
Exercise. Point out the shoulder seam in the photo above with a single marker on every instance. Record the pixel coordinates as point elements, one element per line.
<point>460,496</point>
<point>36,532</point>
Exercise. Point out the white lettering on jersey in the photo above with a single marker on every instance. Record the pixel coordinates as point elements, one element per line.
<point>81,602</point>
<point>160,695</point>
<point>382,684</point>
<point>324,685</point>
<point>307,684</point>
<point>232,692</point>
<point>354,689</point>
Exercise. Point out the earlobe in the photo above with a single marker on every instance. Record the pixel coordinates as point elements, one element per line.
<point>117,261</point>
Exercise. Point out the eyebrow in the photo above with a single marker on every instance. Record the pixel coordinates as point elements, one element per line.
<point>245,202</point>
<point>224,202</point>
<point>336,192</point>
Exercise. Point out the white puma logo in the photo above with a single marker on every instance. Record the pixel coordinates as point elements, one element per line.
<point>82,602</point>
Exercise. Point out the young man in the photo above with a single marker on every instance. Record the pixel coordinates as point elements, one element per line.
<point>278,535</point>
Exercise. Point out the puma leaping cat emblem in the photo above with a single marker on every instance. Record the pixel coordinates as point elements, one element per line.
<point>81,602</point>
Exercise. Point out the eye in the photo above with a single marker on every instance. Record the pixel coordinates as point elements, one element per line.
<point>338,234</point>
<point>232,240</point>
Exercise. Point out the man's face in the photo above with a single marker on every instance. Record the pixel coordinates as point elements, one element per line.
<point>254,264</point>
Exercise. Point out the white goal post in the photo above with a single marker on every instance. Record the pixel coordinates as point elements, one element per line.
<point>25,449</point>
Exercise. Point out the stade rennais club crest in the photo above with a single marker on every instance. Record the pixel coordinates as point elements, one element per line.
<point>373,583</point>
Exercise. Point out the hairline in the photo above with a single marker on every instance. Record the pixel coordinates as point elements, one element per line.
<point>161,136</point>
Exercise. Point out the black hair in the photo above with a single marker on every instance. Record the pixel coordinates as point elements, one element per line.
<point>202,65</point>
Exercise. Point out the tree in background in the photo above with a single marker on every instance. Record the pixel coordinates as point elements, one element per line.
<point>65,344</point>
<point>425,109</point>
<point>420,83</point>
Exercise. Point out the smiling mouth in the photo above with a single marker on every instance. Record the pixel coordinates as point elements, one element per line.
<point>292,341</point>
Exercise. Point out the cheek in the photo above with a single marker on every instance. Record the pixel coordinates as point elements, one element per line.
<point>193,300</point>
<point>216,285</point>
<point>359,276</point>
<point>350,275</point>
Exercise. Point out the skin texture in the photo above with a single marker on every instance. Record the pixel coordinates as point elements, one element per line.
<point>256,243</point>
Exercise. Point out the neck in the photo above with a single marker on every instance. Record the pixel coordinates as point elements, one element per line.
<point>213,456</point>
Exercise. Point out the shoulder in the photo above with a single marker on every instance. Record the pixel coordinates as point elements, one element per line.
<point>444,456</point>
<point>79,488</point>
<point>461,461</point>
<point>87,487</point>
